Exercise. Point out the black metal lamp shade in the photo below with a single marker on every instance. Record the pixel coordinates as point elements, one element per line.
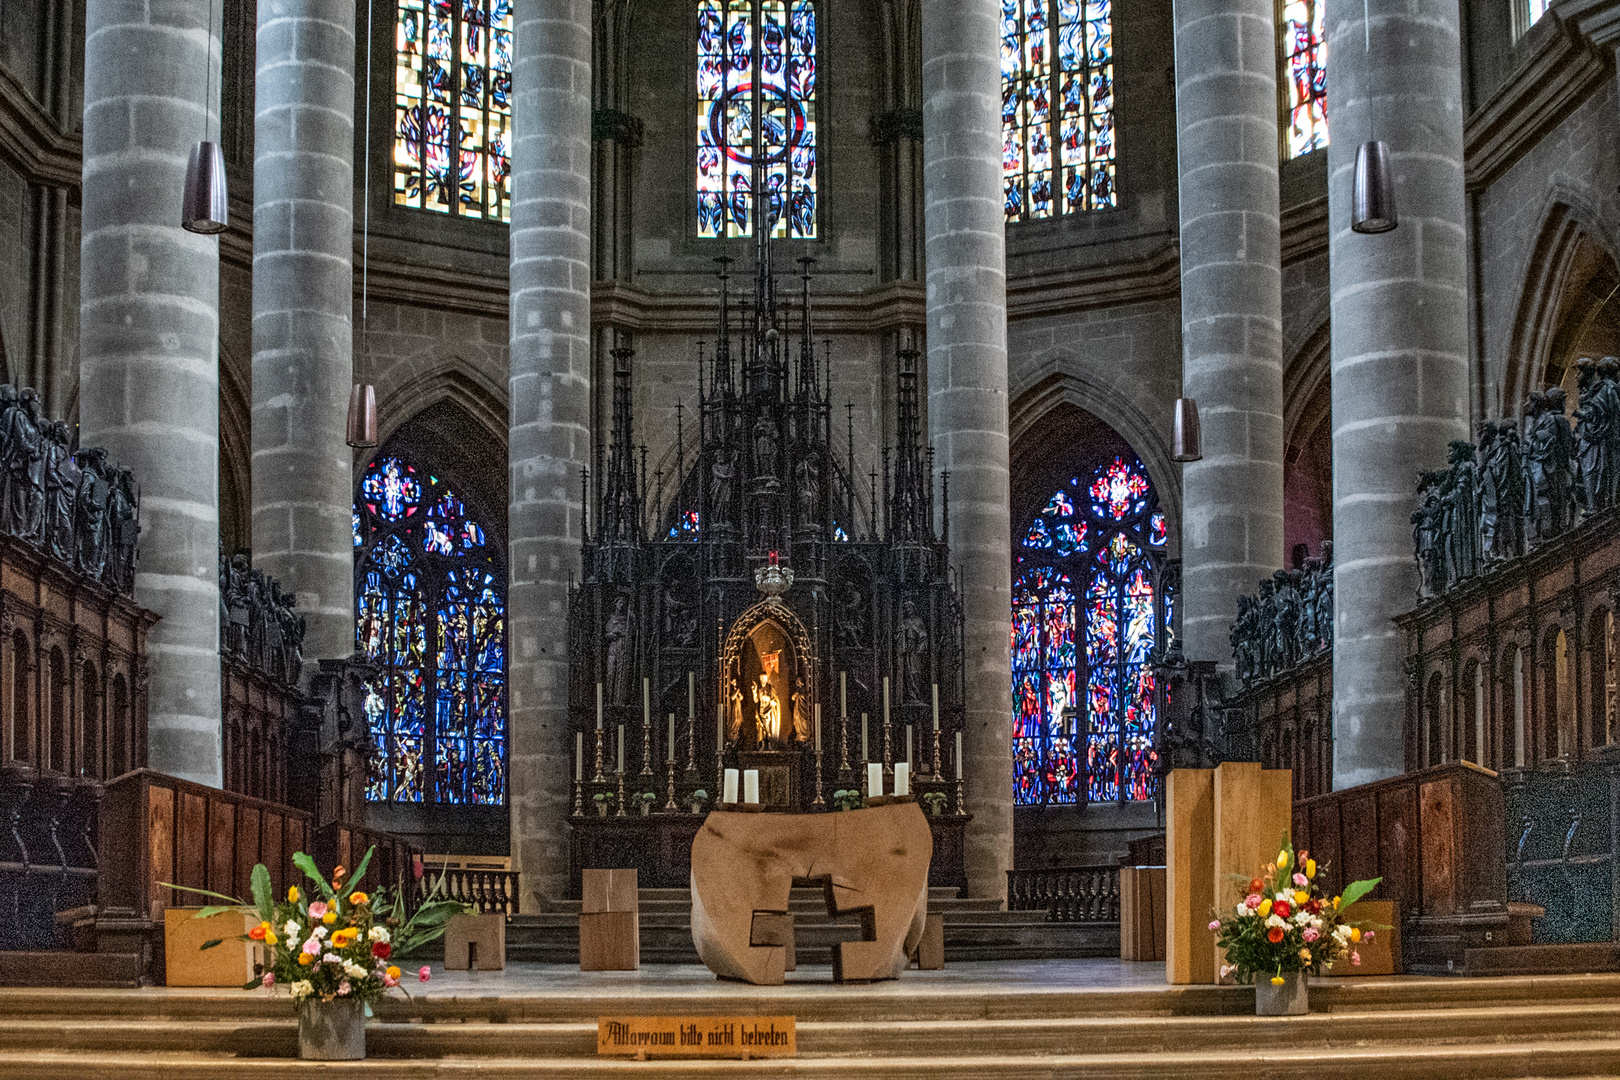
<point>361,430</point>
<point>204,208</point>
<point>1373,197</point>
<point>1186,438</point>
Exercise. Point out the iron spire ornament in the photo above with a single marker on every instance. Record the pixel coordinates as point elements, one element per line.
<point>1372,199</point>
<point>1186,438</point>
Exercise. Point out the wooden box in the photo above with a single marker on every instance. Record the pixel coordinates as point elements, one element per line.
<point>1190,876</point>
<point>930,952</point>
<point>608,890</point>
<point>475,943</point>
<point>1381,955</point>
<point>609,941</point>
<point>185,963</point>
<point>1141,913</point>
<point>1253,808</point>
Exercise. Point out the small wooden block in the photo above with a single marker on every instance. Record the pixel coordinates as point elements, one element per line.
<point>609,941</point>
<point>1381,955</point>
<point>1158,877</point>
<point>609,890</point>
<point>775,928</point>
<point>230,963</point>
<point>931,949</point>
<point>475,943</point>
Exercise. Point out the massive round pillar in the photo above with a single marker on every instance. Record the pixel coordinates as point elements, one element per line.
<point>303,287</point>
<point>1231,310</point>
<point>1400,346</point>
<point>550,416</point>
<point>149,334</point>
<point>965,248</point>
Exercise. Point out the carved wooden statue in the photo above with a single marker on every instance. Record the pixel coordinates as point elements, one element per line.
<point>871,862</point>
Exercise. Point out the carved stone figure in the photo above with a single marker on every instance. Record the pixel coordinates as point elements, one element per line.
<point>125,530</point>
<point>722,484</point>
<point>913,649</point>
<point>679,623</point>
<point>764,448</point>
<point>1599,420</point>
<point>61,488</point>
<point>1550,468</point>
<point>1501,497</point>
<point>238,604</point>
<point>807,480</point>
<point>849,615</point>
<point>21,445</point>
<point>617,634</point>
<point>1459,502</point>
<point>91,512</point>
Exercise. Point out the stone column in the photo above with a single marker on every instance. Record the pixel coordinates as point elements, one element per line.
<point>1400,347</point>
<point>1231,310</point>
<point>965,249</point>
<point>550,417</point>
<point>303,289</point>
<point>149,338</point>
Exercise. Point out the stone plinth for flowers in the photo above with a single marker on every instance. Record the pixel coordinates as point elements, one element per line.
<point>1283,928</point>
<point>332,950</point>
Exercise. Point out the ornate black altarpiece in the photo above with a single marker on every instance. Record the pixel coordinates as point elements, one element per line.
<point>767,582</point>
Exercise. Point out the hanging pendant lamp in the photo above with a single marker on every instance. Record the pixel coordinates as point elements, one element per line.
<point>360,431</point>
<point>204,208</point>
<point>1186,438</point>
<point>362,425</point>
<point>1372,199</point>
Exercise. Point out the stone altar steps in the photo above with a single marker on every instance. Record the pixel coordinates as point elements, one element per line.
<point>1477,1028</point>
<point>975,929</point>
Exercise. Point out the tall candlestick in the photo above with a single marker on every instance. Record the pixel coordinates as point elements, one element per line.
<point>865,756</point>
<point>670,756</point>
<point>728,790</point>
<point>888,732</point>
<point>598,706</point>
<point>621,748</point>
<point>959,755</point>
<point>646,699</point>
<point>751,785</point>
<point>885,699</point>
<point>579,756</point>
<point>874,780</point>
<point>818,727</point>
<point>936,706</point>
<point>691,693</point>
<point>902,779</point>
<point>843,693</point>
<point>908,746</point>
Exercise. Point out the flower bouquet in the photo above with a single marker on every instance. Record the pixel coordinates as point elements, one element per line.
<point>1285,926</point>
<point>332,949</point>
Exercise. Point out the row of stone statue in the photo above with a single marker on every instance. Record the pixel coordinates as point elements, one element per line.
<point>77,507</point>
<point>1522,483</point>
<point>1289,621</point>
<point>257,623</point>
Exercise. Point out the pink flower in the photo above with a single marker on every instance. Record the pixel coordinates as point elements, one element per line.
<point>269,979</point>
<point>425,974</point>
<point>1301,880</point>
<point>389,982</point>
<point>1251,901</point>
<point>416,866</point>
<point>313,946</point>
<point>1355,958</point>
<point>344,988</point>
<point>317,909</point>
<point>1214,924</point>
<point>1367,936</point>
<point>1311,933</point>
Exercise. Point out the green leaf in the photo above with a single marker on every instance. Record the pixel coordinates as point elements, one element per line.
<point>1356,890</point>
<point>204,892</point>
<point>263,898</point>
<point>253,985</point>
<point>217,909</point>
<point>210,944</point>
<point>311,871</point>
<point>360,871</point>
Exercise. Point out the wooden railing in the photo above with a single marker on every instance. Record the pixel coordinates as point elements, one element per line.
<point>1084,894</point>
<point>490,891</point>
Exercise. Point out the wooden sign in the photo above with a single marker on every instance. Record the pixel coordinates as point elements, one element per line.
<point>696,1036</point>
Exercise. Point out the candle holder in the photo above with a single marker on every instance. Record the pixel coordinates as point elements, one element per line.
<point>670,807</point>
<point>646,746</point>
<point>621,796</point>
<point>961,795</point>
<point>843,747</point>
<point>818,800</point>
<point>579,799</point>
<point>888,749</point>
<point>691,745</point>
<point>599,778</point>
<point>936,769</point>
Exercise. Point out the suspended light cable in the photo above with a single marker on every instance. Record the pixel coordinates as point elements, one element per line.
<point>203,206</point>
<point>361,429</point>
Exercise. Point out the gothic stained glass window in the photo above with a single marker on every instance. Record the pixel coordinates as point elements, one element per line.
<point>1304,60</point>
<point>756,53</point>
<point>1089,611</point>
<point>453,106</point>
<point>1057,106</point>
<point>430,602</point>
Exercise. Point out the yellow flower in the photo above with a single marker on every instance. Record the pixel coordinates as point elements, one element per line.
<point>1276,980</point>
<point>1282,857</point>
<point>1305,955</point>
<point>1310,867</point>
<point>305,959</point>
<point>1335,903</point>
<point>329,918</point>
<point>358,898</point>
<point>393,972</point>
<point>1265,908</point>
<point>292,894</point>
<point>269,937</point>
<point>1302,897</point>
<point>1355,934</point>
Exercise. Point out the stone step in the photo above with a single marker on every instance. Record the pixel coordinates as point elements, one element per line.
<point>1544,959</point>
<point>62,968</point>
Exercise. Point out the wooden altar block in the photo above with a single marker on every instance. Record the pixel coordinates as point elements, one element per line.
<point>1381,955</point>
<point>778,777</point>
<point>475,943</point>
<point>872,863</point>
<point>609,890</point>
<point>1142,913</point>
<point>609,941</point>
<point>775,928</point>
<point>1253,812</point>
<point>930,951</point>
<point>1189,876</point>
<point>186,963</point>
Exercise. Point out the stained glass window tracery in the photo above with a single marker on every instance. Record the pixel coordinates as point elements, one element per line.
<point>756,54</point>
<point>1089,612</point>
<point>430,612</point>
<point>1303,41</point>
<point>1057,107</point>
<point>453,107</point>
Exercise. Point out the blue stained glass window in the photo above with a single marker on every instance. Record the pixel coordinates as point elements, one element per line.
<point>430,612</point>
<point>1087,618</point>
<point>1057,107</point>
<point>1304,53</point>
<point>453,107</point>
<point>756,54</point>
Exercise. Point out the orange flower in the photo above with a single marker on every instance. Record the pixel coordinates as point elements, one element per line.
<point>305,959</point>
<point>1256,885</point>
<point>1275,934</point>
<point>393,972</point>
<point>258,932</point>
<point>1355,934</point>
<point>337,874</point>
<point>358,898</point>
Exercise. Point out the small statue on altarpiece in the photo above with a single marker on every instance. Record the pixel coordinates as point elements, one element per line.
<point>617,635</point>
<point>913,650</point>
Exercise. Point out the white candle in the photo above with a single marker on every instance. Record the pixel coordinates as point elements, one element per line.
<point>646,701</point>
<point>691,694</point>
<point>902,779</point>
<point>621,748</point>
<point>936,706</point>
<point>885,700</point>
<point>874,779</point>
<point>579,756</point>
<point>908,747</point>
<point>598,706</point>
<point>671,757</point>
<point>843,694</point>
<point>959,755</point>
<point>864,755</point>
<point>750,785</point>
<point>818,727</point>
<point>729,789</point>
